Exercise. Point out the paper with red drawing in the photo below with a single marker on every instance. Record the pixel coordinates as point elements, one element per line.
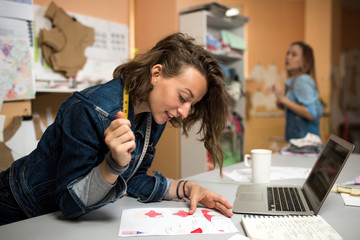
<point>173,221</point>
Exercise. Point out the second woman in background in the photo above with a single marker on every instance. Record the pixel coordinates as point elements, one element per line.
<point>300,100</point>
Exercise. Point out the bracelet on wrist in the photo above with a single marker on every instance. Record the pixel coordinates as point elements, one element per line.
<point>177,189</point>
<point>184,191</point>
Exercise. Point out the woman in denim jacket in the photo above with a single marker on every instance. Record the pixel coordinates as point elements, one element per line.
<point>301,98</point>
<point>86,160</point>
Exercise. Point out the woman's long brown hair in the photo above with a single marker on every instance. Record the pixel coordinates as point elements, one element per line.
<point>309,60</point>
<point>174,53</point>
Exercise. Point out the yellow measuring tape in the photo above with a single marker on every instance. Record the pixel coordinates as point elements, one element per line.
<point>126,102</point>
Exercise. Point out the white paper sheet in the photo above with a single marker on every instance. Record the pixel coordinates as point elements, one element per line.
<point>239,237</point>
<point>350,200</point>
<point>173,221</point>
<point>277,173</point>
<point>16,9</point>
<point>288,227</point>
<point>24,140</point>
<point>2,123</point>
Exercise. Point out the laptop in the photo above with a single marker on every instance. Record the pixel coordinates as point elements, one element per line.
<point>269,199</point>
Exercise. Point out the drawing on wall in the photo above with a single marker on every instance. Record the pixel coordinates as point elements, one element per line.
<point>16,51</point>
<point>19,79</point>
<point>173,221</point>
<point>259,85</point>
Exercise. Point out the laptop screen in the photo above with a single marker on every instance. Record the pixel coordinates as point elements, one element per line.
<point>326,170</point>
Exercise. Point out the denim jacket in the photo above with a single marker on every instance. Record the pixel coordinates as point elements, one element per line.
<point>72,146</point>
<point>303,92</point>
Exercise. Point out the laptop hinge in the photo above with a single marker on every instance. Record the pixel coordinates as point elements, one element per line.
<point>307,200</point>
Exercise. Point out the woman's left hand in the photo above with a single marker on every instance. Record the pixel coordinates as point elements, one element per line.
<point>207,198</point>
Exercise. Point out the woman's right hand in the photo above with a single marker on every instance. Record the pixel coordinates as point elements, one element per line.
<point>278,91</point>
<point>120,139</point>
<point>279,94</point>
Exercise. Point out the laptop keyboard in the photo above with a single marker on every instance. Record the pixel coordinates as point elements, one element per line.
<point>284,199</point>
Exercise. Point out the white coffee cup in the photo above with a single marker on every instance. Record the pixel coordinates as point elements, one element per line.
<point>260,163</point>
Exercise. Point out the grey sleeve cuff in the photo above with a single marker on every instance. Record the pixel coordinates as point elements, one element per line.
<point>167,191</point>
<point>112,166</point>
<point>93,188</point>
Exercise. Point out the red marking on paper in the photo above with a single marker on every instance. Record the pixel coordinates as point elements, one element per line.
<point>206,215</point>
<point>198,230</point>
<point>182,213</point>
<point>153,214</point>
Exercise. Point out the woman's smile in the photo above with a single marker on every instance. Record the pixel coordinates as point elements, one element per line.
<point>168,116</point>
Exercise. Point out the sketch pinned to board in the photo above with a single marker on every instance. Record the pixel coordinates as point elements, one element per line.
<point>173,221</point>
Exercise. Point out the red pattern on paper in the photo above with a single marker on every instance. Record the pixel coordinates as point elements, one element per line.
<point>182,213</point>
<point>206,215</point>
<point>198,230</point>
<point>153,214</point>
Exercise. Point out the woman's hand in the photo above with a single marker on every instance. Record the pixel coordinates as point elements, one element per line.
<point>279,94</point>
<point>120,139</point>
<point>279,104</point>
<point>207,198</point>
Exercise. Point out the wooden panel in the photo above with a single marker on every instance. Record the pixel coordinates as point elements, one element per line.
<point>51,101</point>
<point>15,108</point>
<point>10,110</point>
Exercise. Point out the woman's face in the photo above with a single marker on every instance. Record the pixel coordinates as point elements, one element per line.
<point>173,97</point>
<point>294,59</point>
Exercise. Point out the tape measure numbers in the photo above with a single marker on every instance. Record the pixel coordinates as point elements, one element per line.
<point>147,135</point>
<point>126,102</point>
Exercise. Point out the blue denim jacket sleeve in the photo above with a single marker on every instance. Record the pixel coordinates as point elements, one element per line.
<point>83,149</point>
<point>147,188</point>
<point>306,94</point>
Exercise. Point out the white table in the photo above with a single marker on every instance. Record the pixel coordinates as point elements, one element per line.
<point>104,223</point>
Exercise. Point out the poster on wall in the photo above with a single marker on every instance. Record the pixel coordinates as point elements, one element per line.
<point>16,51</point>
<point>16,69</point>
<point>110,49</point>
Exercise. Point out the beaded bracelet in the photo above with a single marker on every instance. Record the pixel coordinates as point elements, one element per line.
<point>184,191</point>
<point>177,189</point>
